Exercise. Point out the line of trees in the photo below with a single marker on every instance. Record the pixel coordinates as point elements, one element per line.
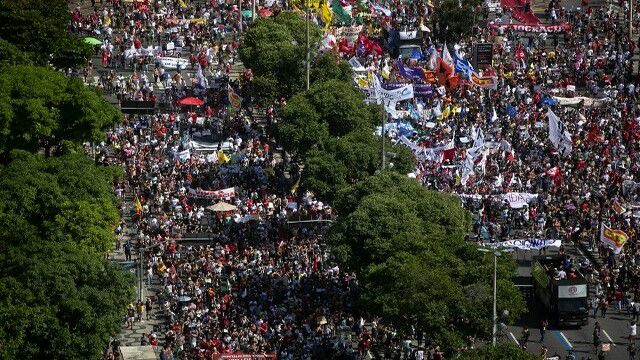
<point>406,243</point>
<point>59,297</point>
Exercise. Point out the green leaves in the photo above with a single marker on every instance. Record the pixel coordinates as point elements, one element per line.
<point>59,297</point>
<point>275,50</point>
<point>502,351</point>
<point>42,109</point>
<point>408,246</point>
<point>40,30</point>
<point>66,198</point>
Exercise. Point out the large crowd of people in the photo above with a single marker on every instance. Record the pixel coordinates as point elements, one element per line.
<point>258,286</point>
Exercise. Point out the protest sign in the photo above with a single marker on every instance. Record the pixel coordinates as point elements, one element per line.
<point>212,194</point>
<point>518,200</point>
<point>525,244</point>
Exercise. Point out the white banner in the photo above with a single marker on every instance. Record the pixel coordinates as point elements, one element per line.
<point>184,155</point>
<point>525,244</point>
<point>212,194</point>
<point>204,146</point>
<point>518,200</point>
<point>355,65</point>
<point>559,135</point>
<point>586,101</point>
<point>173,63</point>
<point>572,291</point>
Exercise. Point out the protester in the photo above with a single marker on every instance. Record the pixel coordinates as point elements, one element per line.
<point>257,285</point>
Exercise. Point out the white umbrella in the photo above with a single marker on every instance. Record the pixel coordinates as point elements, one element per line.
<point>222,206</point>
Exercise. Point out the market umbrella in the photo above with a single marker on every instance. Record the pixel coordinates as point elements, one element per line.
<point>265,13</point>
<point>92,41</point>
<point>191,101</point>
<point>222,207</point>
<point>247,13</point>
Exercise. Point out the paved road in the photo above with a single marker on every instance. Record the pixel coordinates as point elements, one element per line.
<point>614,325</point>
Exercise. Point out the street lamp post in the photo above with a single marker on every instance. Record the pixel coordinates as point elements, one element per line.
<point>382,135</point>
<point>496,253</point>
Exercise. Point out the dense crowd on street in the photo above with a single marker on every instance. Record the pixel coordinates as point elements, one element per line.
<point>264,287</point>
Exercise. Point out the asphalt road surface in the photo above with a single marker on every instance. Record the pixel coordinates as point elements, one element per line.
<point>579,339</point>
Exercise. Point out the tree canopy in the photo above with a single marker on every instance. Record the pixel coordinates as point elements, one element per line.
<point>408,245</point>
<point>502,351</point>
<point>58,300</point>
<point>64,198</point>
<point>41,29</point>
<point>59,297</point>
<point>275,50</point>
<point>41,109</point>
<point>452,19</point>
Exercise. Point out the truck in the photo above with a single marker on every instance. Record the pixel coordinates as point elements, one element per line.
<point>565,300</point>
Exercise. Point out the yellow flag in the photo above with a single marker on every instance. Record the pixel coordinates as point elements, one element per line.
<point>362,82</point>
<point>446,112</point>
<point>182,4</point>
<point>138,206</point>
<point>222,157</point>
<point>295,186</point>
<point>326,14</point>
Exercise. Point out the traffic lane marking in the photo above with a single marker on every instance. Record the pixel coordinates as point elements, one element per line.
<point>563,339</point>
<point>608,337</point>
<point>514,338</point>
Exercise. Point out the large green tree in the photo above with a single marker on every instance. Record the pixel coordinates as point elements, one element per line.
<point>275,50</point>
<point>42,109</point>
<point>65,198</point>
<point>454,19</point>
<point>331,108</point>
<point>41,29</point>
<point>503,351</point>
<point>408,245</point>
<point>58,300</point>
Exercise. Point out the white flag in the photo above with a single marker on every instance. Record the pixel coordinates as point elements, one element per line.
<point>446,55</point>
<point>559,135</point>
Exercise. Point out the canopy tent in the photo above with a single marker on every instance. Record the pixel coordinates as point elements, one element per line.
<point>265,13</point>
<point>190,101</point>
<point>222,207</point>
<point>92,41</point>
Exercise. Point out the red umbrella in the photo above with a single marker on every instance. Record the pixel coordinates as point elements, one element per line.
<point>265,12</point>
<point>191,101</point>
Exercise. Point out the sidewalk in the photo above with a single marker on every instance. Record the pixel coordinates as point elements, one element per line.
<point>131,337</point>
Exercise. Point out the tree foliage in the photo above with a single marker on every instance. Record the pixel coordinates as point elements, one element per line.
<point>452,19</point>
<point>40,108</point>
<point>408,245</point>
<point>59,297</point>
<point>329,66</point>
<point>65,198</point>
<point>41,29</point>
<point>275,48</point>
<point>58,300</point>
<point>502,351</point>
<point>11,55</point>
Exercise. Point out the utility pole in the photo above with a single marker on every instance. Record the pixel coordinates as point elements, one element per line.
<point>253,10</point>
<point>382,136</point>
<point>308,55</point>
<point>495,314</point>
<point>496,253</point>
<point>240,15</point>
<point>630,18</point>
